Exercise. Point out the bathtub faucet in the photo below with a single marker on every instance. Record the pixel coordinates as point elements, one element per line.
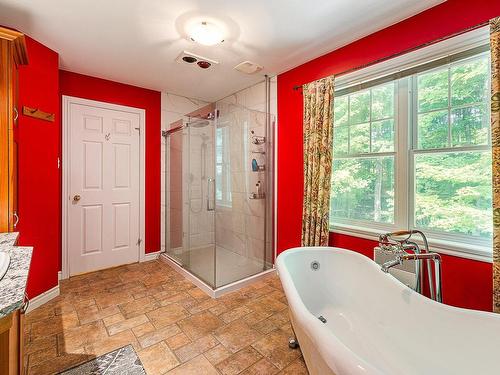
<point>392,263</point>
<point>399,243</point>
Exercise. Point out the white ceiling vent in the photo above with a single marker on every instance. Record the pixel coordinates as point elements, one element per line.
<point>248,67</point>
<point>190,58</point>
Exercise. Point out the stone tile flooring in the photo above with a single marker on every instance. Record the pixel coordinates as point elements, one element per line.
<point>174,327</point>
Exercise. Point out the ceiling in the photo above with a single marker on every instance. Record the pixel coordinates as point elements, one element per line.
<point>137,41</point>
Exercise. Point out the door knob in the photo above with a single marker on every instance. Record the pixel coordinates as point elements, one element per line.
<point>76,198</point>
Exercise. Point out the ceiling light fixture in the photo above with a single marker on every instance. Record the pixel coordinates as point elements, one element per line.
<point>206,33</point>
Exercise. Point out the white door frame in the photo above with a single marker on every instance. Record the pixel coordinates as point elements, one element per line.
<point>66,155</point>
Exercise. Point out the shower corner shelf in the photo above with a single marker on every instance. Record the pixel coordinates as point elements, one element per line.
<point>257,196</point>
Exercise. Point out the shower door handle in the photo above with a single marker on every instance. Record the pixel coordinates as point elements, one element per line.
<point>211,194</point>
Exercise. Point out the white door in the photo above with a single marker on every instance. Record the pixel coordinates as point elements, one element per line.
<point>103,221</point>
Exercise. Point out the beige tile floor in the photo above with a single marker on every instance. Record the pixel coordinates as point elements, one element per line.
<point>174,327</point>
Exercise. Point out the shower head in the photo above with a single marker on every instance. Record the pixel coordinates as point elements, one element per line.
<point>199,123</point>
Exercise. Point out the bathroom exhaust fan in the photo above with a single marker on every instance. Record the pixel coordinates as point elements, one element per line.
<point>248,67</point>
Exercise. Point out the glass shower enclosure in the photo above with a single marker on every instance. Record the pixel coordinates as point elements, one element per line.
<point>219,189</point>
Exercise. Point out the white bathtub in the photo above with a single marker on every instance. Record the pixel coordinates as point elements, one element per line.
<point>375,324</point>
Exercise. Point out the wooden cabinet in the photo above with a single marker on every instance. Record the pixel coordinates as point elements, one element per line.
<point>11,344</point>
<point>12,55</point>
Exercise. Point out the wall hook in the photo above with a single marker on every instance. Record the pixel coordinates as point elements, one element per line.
<point>36,113</point>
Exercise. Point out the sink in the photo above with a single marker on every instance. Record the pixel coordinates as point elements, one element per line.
<point>4,263</point>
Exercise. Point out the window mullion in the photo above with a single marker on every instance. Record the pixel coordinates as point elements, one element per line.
<point>370,120</point>
<point>401,175</point>
<point>449,107</point>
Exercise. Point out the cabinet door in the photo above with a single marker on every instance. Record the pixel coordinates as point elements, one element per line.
<point>5,97</point>
<point>11,332</point>
<point>15,344</point>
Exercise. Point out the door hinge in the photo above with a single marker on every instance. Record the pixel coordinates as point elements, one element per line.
<point>139,241</point>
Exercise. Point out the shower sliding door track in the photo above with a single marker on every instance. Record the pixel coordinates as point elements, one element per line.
<point>218,292</point>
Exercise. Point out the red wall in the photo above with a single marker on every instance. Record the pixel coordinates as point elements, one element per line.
<point>441,21</point>
<point>73,84</point>
<point>39,201</point>
<point>41,85</point>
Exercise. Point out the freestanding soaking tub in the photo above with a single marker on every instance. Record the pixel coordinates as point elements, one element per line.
<point>351,318</point>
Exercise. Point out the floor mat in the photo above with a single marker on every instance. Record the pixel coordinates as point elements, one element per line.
<point>123,361</point>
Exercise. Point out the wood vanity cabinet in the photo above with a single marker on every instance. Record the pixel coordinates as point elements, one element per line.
<point>12,55</point>
<point>12,344</point>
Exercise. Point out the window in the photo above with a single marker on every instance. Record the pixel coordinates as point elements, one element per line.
<point>451,149</point>
<point>222,166</point>
<point>363,156</point>
<point>415,152</point>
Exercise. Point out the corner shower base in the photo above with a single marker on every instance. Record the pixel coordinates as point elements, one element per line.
<point>215,293</point>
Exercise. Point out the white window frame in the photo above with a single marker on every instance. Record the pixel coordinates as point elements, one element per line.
<point>399,183</point>
<point>446,243</point>
<point>225,186</point>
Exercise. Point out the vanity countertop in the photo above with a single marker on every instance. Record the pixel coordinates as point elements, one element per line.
<point>13,284</point>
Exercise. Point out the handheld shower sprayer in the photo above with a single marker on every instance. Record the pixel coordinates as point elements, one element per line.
<point>400,247</point>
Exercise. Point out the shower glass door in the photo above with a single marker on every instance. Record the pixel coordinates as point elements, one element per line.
<point>176,216</point>
<point>200,204</point>
<point>190,197</point>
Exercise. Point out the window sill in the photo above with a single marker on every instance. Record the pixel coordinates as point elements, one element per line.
<point>457,249</point>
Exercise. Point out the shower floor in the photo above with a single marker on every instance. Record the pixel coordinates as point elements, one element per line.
<point>230,266</point>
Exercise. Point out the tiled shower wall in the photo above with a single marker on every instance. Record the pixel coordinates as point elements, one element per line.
<point>241,226</point>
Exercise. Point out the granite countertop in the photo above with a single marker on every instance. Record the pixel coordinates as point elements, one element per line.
<point>13,284</point>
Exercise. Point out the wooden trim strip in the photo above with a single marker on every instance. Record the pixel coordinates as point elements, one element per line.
<point>19,51</point>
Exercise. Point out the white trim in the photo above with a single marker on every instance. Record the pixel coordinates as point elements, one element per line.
<point>59,276</point>
<point>42,298</point>
<point>456,249</point>
<point>243,282</point>
<point>218,292</point>
<point>274,215</point>
<point>66,102</point>
<point>151,256</point>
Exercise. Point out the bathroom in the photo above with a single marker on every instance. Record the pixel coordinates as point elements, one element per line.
<point>223,187</point>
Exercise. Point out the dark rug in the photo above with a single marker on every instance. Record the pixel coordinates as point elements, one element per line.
<point>123,361</point>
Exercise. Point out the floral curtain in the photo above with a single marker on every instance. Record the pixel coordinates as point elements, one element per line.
<point>495,142</point>
<point>318,138</point>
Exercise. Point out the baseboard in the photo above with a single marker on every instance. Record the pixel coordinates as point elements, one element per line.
<point>43,298</point>
<point>151,256</point>
<point>216,293</point>
<point>59,276</point>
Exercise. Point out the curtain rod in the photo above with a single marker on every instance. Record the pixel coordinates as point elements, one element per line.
<point>351,70</point>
